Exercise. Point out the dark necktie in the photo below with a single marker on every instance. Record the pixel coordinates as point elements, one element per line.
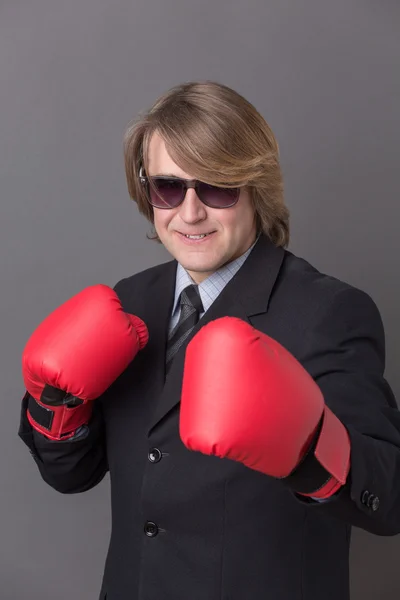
<point>191,307</point>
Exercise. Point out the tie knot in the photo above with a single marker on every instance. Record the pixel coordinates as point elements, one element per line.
<point>190,296</point>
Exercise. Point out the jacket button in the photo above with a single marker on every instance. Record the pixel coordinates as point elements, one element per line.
<point>365,496</point>
<point>375,503</point>
<point>150,529</point>
<point>154,455</point>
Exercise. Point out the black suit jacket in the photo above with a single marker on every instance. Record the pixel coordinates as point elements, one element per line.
<point>190,526</point>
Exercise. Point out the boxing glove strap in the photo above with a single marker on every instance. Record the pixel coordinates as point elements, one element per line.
<point>309,475</point>
<point>325,467</point>
<point>52,396</point>
<point>58,422</point>
<point>40,414</point>
<point>43,412</point>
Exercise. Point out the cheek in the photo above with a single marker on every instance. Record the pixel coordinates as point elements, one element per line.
<point>236,220</point>
<point>161,219</point>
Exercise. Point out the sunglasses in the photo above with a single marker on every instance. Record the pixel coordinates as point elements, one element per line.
<point>170,192</point>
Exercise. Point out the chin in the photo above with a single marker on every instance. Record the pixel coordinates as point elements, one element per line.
<point>197,267</point>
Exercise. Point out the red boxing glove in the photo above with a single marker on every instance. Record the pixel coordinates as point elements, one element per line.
<point>246,398</point>
<point>74,356</point>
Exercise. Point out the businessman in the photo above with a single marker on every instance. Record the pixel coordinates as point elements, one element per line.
<point>235,394</point>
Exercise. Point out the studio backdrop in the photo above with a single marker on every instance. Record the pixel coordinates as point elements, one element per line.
<point>325,75</point>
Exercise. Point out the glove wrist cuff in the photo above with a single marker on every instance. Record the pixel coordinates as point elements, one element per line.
<point>325,467</point>
<point>57,422</point>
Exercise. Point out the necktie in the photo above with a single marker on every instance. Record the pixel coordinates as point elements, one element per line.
<point>191,307</point>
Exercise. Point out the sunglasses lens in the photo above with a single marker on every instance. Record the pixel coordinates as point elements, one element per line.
<point>165,193</point>
<point>217,197</point>
<point>169,193</point>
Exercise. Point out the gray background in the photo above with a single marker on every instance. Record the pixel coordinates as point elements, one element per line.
<point>72,74</point>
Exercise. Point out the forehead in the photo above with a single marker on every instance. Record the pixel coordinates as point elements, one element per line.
<point>160,162</point>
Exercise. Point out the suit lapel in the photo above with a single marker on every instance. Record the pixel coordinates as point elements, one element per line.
<point>246,295</point>
<point>155,311</point>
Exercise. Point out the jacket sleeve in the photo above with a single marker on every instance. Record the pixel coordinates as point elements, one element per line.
<point>74,465</point>
<point>345,354</point>
<point>70,466</point>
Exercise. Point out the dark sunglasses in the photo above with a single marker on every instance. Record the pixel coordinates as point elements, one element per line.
<point>169,192</point>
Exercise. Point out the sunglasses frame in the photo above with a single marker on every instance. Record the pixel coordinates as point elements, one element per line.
<point>187,184</point>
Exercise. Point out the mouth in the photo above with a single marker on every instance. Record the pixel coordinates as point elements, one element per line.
<point>195,239</point>
<point>196,236</point>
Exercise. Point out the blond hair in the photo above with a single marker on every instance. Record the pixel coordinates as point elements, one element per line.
<point>216,135</point>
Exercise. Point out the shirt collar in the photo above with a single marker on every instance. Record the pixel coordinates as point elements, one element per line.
<point>210,287</point>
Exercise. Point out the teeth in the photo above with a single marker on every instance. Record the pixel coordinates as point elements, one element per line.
<point>196,237</point>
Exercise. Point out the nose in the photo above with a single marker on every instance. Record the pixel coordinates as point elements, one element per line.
<point>192,208</point>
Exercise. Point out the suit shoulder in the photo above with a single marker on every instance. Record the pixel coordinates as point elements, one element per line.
<point>313,292</point>
<point>308,300</point>
<point>142,279</point>
<point>301,274</point>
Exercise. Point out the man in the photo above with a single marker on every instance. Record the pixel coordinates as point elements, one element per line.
<point>235,394</point>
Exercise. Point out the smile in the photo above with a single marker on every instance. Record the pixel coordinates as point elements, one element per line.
<point>198,237</point>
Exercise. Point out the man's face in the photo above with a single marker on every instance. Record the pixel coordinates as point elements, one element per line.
<point>231,231</point>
